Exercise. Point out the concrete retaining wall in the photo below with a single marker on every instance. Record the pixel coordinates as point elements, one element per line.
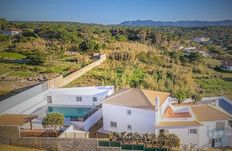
<point>10,135</point>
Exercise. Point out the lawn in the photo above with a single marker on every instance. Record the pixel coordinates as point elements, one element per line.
<point>15,148</point>
<point>11,55</point>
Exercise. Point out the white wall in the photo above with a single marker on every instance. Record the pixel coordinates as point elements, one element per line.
<point>207,132</point>
<point>92,119</point>
<point>70,99</point>
<point>142,121</point>
<point>184,135</point>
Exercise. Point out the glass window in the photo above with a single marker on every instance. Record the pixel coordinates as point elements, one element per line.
<point>193,131</point>
<point>128,112</point>
<point>94,99</point>
<point>78,98</point>
<point>129,127</point>
<point>113,124</point>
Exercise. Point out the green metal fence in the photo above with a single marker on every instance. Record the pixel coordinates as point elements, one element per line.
<point>133,147</point>
<point>155,149</point>
<point>109,144</point>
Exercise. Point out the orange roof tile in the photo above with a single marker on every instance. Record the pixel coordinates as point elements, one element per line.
<point>170,114</point>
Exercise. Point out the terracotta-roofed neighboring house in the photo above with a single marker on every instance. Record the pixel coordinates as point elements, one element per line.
<point>227,65</point>
<point>133,110</point>
<point>145,111</point>
<point>12,32</point>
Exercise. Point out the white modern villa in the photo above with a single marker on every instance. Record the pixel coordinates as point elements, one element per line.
<point>81,106</point>
<point>133,110</point>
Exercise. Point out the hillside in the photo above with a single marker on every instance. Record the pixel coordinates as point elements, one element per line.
<point>177,23</point>
<point>141,57</point>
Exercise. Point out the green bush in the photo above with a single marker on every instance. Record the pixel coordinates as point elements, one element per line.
<point>53,120</point>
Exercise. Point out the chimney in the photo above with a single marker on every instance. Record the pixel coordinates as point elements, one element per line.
<point>157,103</point>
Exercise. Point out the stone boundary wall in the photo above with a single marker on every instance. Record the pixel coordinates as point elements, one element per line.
<point>35,94</point>
<point>10,135</point>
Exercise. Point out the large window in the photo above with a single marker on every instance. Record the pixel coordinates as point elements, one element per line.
<point>192,131</point>
<point>94,99</point>
<point>113,124</point>
<point>78,98</point>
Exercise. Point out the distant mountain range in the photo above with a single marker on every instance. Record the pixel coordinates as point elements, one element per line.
<point>177,23</point>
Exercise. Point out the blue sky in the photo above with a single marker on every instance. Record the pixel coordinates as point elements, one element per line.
<point>115,11</point>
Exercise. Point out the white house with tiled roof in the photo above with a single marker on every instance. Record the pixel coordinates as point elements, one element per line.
<point>144,111</point>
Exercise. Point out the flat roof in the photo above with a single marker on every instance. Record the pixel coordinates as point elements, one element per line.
<point>178,124</point>
<point>16,119</point>
<point>209,113</point>
<point>93,90</point>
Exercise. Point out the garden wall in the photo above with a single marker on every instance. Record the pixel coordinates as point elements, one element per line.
<point>9,135</point>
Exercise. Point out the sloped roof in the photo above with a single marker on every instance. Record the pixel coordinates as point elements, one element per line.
<point>169,113</point>
<point>178,124</point>
<point>209,113</point>
<point>136,98</point>
<point>152,94</point>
